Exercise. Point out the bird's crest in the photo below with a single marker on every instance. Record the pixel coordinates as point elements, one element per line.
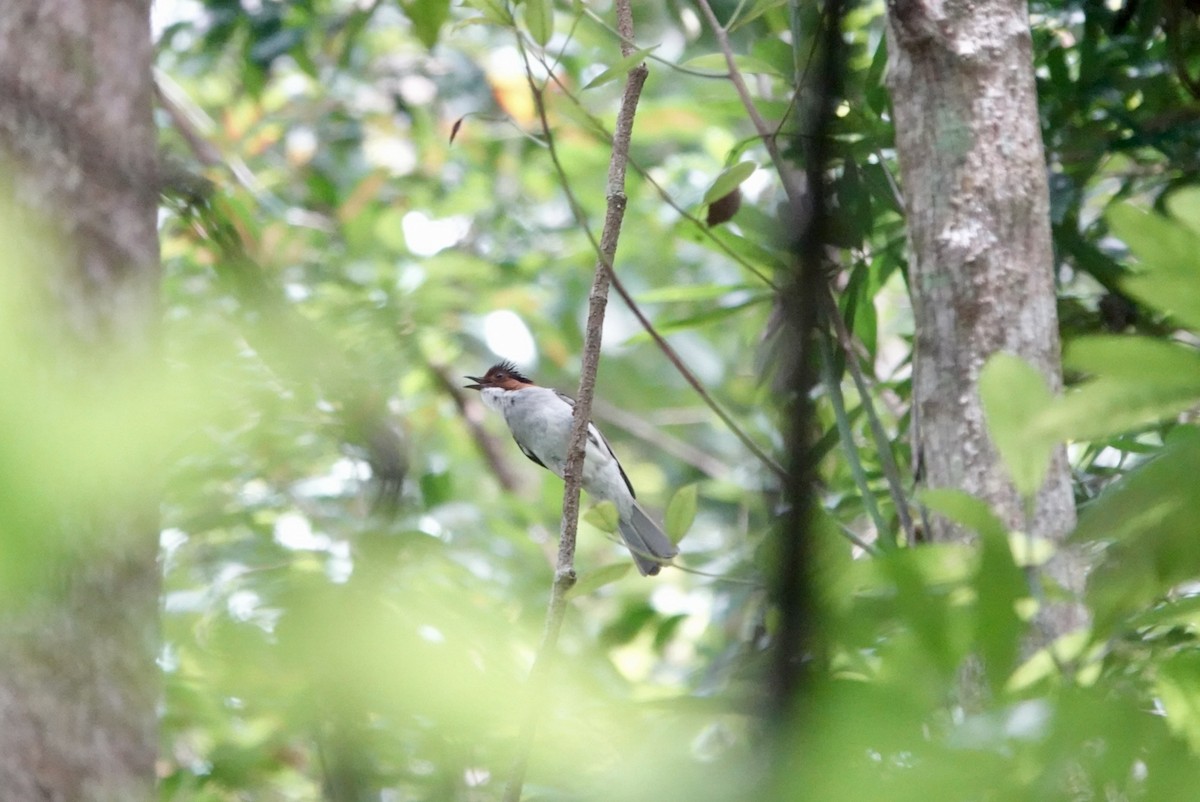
<point>505,372</point>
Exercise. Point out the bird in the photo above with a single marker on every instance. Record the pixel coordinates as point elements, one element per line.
<point>540,419</point>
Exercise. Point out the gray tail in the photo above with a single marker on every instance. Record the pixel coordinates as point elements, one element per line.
<point>650,547</point>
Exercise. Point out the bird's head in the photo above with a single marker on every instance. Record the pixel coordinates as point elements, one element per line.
<point>503,376</point>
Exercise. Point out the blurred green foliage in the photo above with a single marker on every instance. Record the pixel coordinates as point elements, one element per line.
<point>364,212</point>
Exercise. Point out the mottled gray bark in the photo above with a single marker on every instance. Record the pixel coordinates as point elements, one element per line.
<point>78,682</point>
<point>980,266</point>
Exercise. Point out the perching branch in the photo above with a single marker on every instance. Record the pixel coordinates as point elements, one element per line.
<point>564,573</point>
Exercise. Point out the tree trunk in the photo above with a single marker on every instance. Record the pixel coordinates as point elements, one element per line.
<point>981,263</point>
<point>78,198</point>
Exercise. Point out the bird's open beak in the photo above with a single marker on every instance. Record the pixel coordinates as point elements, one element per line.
<point>476,385</point>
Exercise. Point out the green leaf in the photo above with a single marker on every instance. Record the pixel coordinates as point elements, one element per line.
<point>539,18</point>
<point>1169,252</point>
<point>1152,500</point>
<point>1184,612</point>
<point>667,629</point>
<point>427,17</point>
<point>964,509</point>
<point>1137,359</point>
<point>494,11</point>
<point>689,292</point>
<point>436,488</point>
<point>1149,520</point>
<point>776,52</point>
<point>726,181</point>
<point>592,581</point>
<point>621,67</point>
<point>938,565</point>
<point>1177,685</point>
<point>1030,551</point>
<point>754,253</point>
<point>1013,393</point>
<point>858,308</point>
<point>1045,665</point>
<point>1184,205</point>
<point>603,516</point>
<point>755,11</point>
<point>921,605</point>
<point>626,626</point>
<point>999,583</point>
<point>1138,381</point>
<point>717,64</point>
<point>704,318</point>
<point>681,511</point>
<point>388,229</point>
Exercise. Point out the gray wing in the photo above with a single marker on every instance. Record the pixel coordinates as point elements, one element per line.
<point>598,441</point>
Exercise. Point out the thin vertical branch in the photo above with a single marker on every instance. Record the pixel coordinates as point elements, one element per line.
<point>883,445</point>
<point>800,303</point>
<point>790,186</point>
<point>797,197</point>
<point>564,572</point>
<point>795,640</point>
<point>838,401</point>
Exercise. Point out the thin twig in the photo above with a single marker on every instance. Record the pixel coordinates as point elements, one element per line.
<point>850,535</point>
<point>790,185</point>
<point>883,444</point>
<point>691,379</point>
<point>644,430</point>
<point>564,572</point>
<point>193,124</point>
<point>838,402</point>
<point>668,63</point>
<point>705,230</point>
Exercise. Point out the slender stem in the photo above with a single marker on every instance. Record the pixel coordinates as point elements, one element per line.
<point>883,445</point>
<point>834,388</point>
<point>666,62</point>
<point>793,192</point>
<point>597,129</point>
<point>796,643</point>
<point>564,572</point>
<point>691,379</point>
<point>790,185</point>
<point>703,228</point>
<point>644,430</point>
